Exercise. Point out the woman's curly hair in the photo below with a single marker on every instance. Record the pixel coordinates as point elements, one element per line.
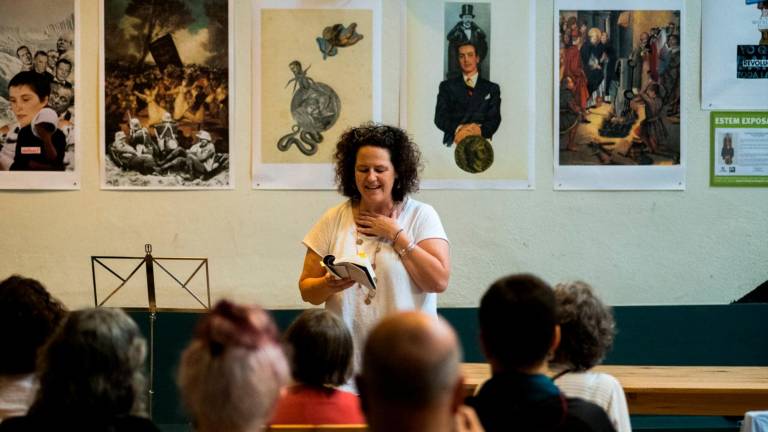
<point>586,324</point>
<point>404,154</point>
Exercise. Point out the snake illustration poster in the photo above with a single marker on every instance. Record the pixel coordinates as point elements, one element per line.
<point>314,67</point>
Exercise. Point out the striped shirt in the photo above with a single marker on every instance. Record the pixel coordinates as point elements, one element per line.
<point>601,389</point>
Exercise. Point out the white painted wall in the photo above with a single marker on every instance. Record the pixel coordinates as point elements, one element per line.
<point>702,245</point>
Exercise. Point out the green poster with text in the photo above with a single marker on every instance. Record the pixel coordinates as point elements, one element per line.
<point>739,149</point>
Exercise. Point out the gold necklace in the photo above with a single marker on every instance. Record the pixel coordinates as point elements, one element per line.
<point>359,242</point>
<point>362,254</point>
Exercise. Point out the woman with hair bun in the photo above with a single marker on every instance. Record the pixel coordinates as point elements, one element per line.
<point>232,371</point>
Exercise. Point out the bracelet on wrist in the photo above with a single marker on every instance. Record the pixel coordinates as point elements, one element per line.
<point>397,234</point>
<point>406,250</point>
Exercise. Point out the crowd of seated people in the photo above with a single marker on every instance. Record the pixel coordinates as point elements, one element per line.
<point>91,376</point>
<point>235,375</point>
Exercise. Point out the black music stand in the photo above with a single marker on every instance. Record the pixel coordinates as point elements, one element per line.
<point>149,262</point>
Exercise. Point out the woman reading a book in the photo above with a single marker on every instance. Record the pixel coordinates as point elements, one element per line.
<point>404,240</point>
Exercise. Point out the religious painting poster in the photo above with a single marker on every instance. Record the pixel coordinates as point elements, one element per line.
<point>618,115</point>
<point>39,137</point>
<point>734,55</point>
<point>316,73</point>
<point>471,112</point>
<point>166,117</point>
<point>739,149</point>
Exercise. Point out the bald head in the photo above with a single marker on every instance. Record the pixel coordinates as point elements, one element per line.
<point>411,359</point>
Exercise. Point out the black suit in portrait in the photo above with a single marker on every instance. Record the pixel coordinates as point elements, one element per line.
<point>458,104</point>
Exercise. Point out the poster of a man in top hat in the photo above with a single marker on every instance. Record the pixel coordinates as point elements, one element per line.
<point>474,16</point>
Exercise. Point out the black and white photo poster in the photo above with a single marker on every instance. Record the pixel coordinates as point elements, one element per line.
<point>39,146</point>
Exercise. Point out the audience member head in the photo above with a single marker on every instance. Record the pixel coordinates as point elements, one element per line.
<point>93,367</point>
<point>410,378</point>
<point>518,323</point>
<point>28,318</point>
<point>320,348</point>
<point>586,325</point>
<point>232,371</point>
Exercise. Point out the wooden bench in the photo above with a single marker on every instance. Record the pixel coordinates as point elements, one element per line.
<point>322,428</point>
<point>674,390</point>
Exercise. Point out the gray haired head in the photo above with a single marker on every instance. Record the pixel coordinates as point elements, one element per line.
<point>93,365</point>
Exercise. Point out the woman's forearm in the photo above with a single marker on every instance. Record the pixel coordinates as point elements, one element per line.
<point>315,290</point>
<point>426,271</point>
<point>427,263</point>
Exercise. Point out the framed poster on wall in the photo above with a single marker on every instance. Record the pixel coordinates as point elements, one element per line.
<point>734,54</point>
<point>619,117</point>
<point>468,92</point>
<point>317,72</point>
<point>739,149</point>
<point>39,141</point>
<point>166,72</point>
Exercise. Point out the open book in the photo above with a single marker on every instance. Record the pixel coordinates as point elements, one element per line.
<point>356,268</point>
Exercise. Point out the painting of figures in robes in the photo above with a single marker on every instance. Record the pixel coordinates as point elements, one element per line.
<point>618,87</point>
<point>166,110</point>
